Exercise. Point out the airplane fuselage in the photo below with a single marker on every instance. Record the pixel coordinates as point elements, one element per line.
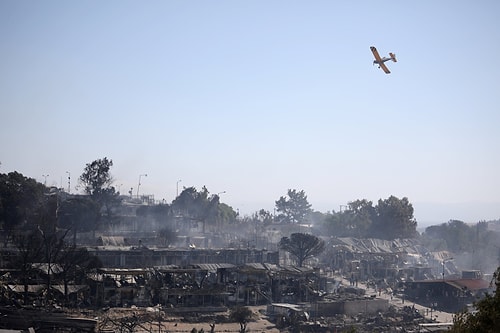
<point>384,59</point>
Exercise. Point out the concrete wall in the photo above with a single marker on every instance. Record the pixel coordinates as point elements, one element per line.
<point>352,307</point>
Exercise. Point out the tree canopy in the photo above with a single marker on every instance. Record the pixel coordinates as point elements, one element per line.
<point>394,219</point>
<point>45,244</point>
<point>98,184</point>
<point>389,219</point>
<point>96,177</point>
<point>200,206</point>
<point>20,199</point>
<point>242,315</point>
<point>458,236</point>
<point>294,208</point>
<point>302,246</point>
<point>78,213</point>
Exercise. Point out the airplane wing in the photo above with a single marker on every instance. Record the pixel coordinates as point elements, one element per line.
<point>375,54</point>
<point>379,60</point>
<point>384,68</point>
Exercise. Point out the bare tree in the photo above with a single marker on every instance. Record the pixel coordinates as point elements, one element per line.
<point>29,248</point>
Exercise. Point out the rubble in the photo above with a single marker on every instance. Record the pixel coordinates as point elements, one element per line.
<point>351,288</point>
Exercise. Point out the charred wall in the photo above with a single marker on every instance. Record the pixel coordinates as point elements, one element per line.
<point>141,257</point>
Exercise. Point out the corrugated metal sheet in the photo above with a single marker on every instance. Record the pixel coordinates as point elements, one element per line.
<point>255,265</point>
<point>44,267</point>
<point>124,271</point>
<point>214,267</point>
<point>375,245</point>
<point>32,288</point>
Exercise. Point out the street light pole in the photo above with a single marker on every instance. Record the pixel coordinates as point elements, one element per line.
<point>177,188</point>
<point>69,181</point>
<point>139,184</point>
<point>45,180</point>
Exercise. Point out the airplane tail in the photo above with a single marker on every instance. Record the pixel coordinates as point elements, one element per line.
<point>393,56</point>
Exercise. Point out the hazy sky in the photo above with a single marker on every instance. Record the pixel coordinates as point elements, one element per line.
<point>258,97</point>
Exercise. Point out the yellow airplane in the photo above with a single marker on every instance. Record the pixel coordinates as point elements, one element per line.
<point>381,61</point>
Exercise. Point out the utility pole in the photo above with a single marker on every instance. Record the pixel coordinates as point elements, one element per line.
<point>45,180</point>
<point>139,185</point>
<point>69,181</point>
<point>177,188</point>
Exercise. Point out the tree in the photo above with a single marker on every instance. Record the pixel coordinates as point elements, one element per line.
<point>193,205</point>
<point>96,177</point>
<point>363,214</point>
<point>262,217</point>
<point>295,208</point>
<point>355,221</point>
<point>97,182</point>
<point>78,214</point>
<point>457,235</point>
<point>53,243</point>
<point>394,219</point>
<point>29,246</point>
<point>317,218</point>
<point>334,225</point>
<point>487,317</point>
<point>200,206</point>
<point>302,246</point>
<point>391,218</point>
<point>472,240</point>
<point>20,199</point>
<point>76,263</point>
<point>242,315</point>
